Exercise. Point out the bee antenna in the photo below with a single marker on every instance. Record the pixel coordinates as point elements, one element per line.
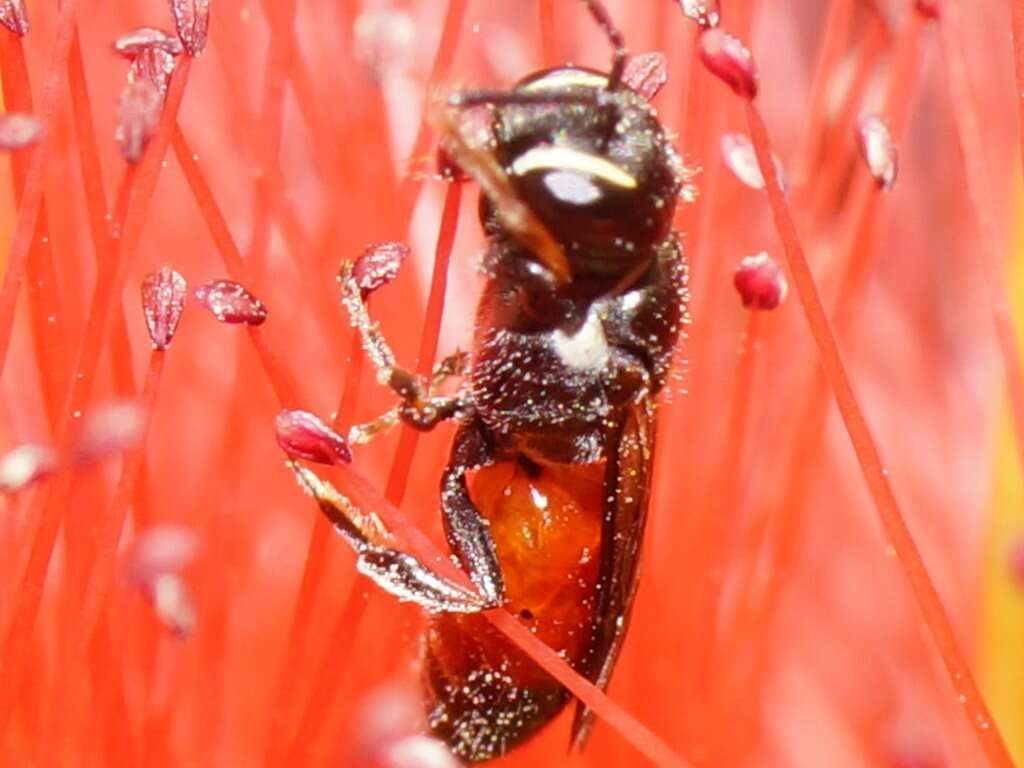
<point>614,35</point>
<point>479,97</point>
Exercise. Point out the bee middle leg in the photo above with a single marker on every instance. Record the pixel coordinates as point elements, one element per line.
<point>419,407</point>
<point>453,365</point>
<point>468,531</point>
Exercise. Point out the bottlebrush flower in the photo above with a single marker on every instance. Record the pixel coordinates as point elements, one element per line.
<point>774,626</point>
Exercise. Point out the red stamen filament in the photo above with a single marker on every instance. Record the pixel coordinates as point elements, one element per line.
<point>32,189</point>
<point>975,710</point>
<point>100,568</point>
<point>402,463</point>
<point>546,10</point>
<point>141,182</point>
<point>334,665</point>
<point>981,200</point>
<point>1017,20</point>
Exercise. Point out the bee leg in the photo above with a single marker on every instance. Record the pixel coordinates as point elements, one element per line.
<point>453,365</point>
<point>394,571</point>
<point>418,407</point>
<point>466,529</point>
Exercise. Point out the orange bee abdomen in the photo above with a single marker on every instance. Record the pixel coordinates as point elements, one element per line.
<point>484,694</point>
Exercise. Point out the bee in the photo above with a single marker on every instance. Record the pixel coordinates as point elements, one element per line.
<point>544,497</point>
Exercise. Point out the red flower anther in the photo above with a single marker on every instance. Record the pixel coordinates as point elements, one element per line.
<point>646,74</point>
<point>14,16</point>
<point>26,464</point>
<point>930,9</point>
<point>382,39</point>
<point>877,148</point>
<point>154,65</point>
<point>109,430</point>
<point>1016,562</point>
<point>152,52</point>
<point>706,13</point>
<point>138,115</point>
<point>760,282</point>
<point>739,157</point>
<point>192,21</point>
<point>155,564</point>
<point>160,550</point>
<point>163,301</point>
<point>173,604</point>
<point>378,265</point>
<point>18,130</point>
<point>133,43</point>
<point>728,59</point>
<point>303,435</point>
<point>231,302</point>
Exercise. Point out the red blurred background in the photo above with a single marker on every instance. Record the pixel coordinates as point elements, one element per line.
<point>773,627</point>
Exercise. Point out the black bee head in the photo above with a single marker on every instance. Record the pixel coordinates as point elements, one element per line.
<point>593,165</point>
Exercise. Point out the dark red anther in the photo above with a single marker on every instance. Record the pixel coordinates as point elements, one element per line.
<point>706,13</point>
<point>760,282</point>
<point>303,435</point>
<point>930,9</point>
<point>192,21</point>
<point>877,148</point>
<point>153,65</point>
<point>133,43</point>
<point>739,157</point>
<point>1016,562</point>
<point>163,300</point>
<point>231,302</point>
<point>18,130</point>
<point>378,265</point>
<point>14,16</point>
<point>729,60</point>
<point>160,550</point>
<point>646,74</point>
<point>26,464</point>
<point>154,564</point>
<point>109,430</point>
<point>448,169</point>
<point>910,744</point>
<point>383,39</point>
<point>138,115</point>
<point>173,604</point>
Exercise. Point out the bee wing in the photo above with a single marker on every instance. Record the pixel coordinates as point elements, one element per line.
<point>627,487</point>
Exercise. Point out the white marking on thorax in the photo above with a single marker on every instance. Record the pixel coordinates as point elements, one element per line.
<point>631,301</point>
<point>587,348</point>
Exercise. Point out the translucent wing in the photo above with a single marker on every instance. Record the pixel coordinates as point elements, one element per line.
<point>627,479</point>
